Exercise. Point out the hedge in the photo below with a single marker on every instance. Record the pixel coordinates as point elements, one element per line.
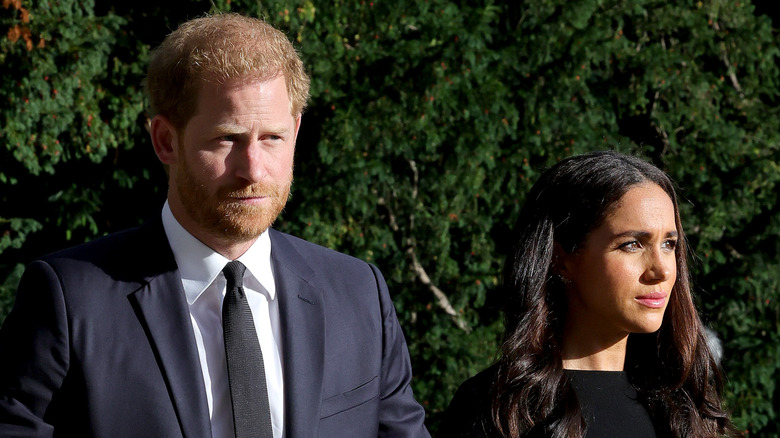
<point>429,121</point>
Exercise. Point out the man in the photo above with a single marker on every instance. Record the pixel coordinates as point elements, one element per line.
<point>124,336</point>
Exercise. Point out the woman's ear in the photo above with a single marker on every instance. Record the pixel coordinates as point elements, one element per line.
<point>562,263</point>
<point>164,139</point>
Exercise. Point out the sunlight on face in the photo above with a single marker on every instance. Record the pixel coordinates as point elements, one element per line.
<point>622,276</point>
<point>234,171</point>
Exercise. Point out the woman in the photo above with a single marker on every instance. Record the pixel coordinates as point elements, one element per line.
<point>601,338</point>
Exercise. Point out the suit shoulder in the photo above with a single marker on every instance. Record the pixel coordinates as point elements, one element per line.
<point>315,251</point>
<point>98,248</point>
<point>124,255</point>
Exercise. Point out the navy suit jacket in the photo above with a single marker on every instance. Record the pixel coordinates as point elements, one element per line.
<point>100,343</point>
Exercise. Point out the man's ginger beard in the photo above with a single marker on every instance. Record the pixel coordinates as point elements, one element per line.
<point>221,214</point>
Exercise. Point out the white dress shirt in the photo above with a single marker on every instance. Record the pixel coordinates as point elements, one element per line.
<point>205,287</point>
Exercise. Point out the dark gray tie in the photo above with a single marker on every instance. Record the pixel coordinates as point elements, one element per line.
<point>246,374</point>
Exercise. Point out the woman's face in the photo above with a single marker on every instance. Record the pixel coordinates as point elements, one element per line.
<point>620,280</point>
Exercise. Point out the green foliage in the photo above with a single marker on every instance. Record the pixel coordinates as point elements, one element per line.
<point>428,123</point>
<point>71,113</point>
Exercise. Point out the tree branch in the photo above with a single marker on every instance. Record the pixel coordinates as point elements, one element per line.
<point>441,297</point>
<point>724,56</point>
<point>661,132</point>
<point>422,275</point>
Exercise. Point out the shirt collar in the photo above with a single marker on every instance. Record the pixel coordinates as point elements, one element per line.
<point>200,265</point>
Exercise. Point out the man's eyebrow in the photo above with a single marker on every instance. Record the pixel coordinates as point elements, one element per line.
<point>231,128</point>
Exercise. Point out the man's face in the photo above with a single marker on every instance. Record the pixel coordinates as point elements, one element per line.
<point>233,163</point>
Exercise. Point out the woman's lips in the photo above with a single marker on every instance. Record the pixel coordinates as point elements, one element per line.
<point>655,300</point>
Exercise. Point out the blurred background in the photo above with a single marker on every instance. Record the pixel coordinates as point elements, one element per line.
<point>429,121</point>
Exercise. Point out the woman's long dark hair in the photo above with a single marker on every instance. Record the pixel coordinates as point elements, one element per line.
<point>675,374</point>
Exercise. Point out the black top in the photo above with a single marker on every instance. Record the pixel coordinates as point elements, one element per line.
<point>610,406</point>
<point>607,400</point>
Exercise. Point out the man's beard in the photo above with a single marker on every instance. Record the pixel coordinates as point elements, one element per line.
<point>223,214</point>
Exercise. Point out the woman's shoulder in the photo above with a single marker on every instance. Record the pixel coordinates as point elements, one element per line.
<point>480,384</point>
<point>469,412</point>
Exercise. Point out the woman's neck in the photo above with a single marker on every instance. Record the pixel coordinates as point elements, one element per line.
<point>587,350</point>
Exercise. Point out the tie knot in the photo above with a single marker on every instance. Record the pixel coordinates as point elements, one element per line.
<point>234,274</point>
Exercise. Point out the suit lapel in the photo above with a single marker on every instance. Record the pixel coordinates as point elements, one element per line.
<point>162,308</point>
<point>302,322</point>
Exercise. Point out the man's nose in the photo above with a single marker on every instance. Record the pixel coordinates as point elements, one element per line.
<point>251,162</point>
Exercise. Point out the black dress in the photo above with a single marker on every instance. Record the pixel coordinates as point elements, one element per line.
<point>607,399</point>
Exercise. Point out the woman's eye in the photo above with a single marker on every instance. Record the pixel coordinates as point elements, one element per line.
<point>670,244</point>
<point>630,246</point>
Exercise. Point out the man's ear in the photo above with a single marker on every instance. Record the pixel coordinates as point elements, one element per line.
<point>164,139</point>
<point>297,127</point>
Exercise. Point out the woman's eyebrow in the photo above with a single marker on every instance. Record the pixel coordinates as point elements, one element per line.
<point>637,234</point>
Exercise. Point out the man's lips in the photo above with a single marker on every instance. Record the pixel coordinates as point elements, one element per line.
<point>245,199</point>
<point>252,199</point>
<point>655,300</point>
